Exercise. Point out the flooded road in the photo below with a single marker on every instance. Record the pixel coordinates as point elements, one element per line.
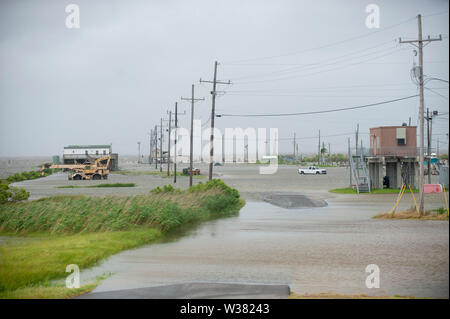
<point>313,250</point>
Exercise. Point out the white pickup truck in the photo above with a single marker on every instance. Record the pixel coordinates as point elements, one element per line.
<point>312,170</point>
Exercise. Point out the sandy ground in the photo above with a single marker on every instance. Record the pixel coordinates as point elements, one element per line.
<point>314,250</point>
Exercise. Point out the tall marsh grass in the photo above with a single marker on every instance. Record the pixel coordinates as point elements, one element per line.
<point>81,230</point>
<point>164,209</point>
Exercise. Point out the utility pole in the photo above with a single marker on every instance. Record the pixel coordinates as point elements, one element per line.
<point>151,147</point>
<point>356,139</point>
<point>175,142</point>
<point>428,146</point>
<point>319,150</point>
<point>294,145</point>
<point>349,165</point>
<point>437,148</point>
<point>160,146</point>
<point>213,115</point>
<point>191,152</point>
<point>156,146</point>
<point>419,45</point>
<point>168,150</point>
<point>139,152</point>
<point>329,151</point>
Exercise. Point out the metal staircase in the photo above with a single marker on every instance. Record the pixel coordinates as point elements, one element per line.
<point>359,172</point>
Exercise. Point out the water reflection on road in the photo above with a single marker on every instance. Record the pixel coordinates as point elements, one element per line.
<point>313,250</point>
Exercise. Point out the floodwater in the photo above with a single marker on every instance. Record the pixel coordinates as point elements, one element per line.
<point>313,250</point>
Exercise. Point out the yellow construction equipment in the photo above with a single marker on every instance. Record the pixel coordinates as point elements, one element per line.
<point>87,171</point>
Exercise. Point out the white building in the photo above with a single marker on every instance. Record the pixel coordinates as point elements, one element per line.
<point>81,153</point>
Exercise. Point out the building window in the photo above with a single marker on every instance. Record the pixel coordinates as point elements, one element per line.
<point>104,152</point>
<point>96,152</point>
<point>401,136</point>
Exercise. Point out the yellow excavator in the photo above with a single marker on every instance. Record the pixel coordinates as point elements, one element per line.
<point>99,169</point>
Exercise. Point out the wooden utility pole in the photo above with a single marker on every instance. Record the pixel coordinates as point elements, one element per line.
<point>191,151</point>
<point>175,142</point>
<point>319,150</point>
<point>151,147</point>
<point>428,146</point>
<point>213,115</point>
<point>160,147</point>
<point>139,152</point>
<point>419,44</point>
<point>349,163</point>
<point>356,139</point>
<point>156,146</point>
<point>294,146</point>
<point>329,151</point>
<point>168,144</point>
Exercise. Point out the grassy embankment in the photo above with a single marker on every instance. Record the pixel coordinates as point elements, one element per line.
<point>100,185</point>
<point>62,230</point>
<point>154,173</point>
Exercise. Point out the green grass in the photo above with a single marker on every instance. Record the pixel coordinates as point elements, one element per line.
<point>50,292</point>
<point>62,230</point>
<point>45,257</point>
<point>349,190</point>
<point>100,185</point>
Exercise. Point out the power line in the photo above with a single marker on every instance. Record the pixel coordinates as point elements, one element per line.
<point>326,45</point>
<point>319,112</point>
<point>323,71</point>
<point>321,63</point>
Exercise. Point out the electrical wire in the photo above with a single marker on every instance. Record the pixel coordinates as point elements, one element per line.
<point>322,71</point>
<point>324,46</point>
<point>321,63</point>
<point>319,112</point>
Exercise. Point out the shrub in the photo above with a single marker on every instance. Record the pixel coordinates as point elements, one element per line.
<point>14,194</point>
<point>19,194</point>
<point>166,189</point>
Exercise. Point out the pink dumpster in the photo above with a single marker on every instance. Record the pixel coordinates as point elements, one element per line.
<point>432,188</point>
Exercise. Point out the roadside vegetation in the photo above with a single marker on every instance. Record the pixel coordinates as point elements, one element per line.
<point>100,185</point>
<point>18,177</point>
<point>411,213</point>
<point>81,230</point>
<point>15,194</point>
<point>349,190</point>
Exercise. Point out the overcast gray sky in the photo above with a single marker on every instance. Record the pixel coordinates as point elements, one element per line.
<point>111,80</point>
